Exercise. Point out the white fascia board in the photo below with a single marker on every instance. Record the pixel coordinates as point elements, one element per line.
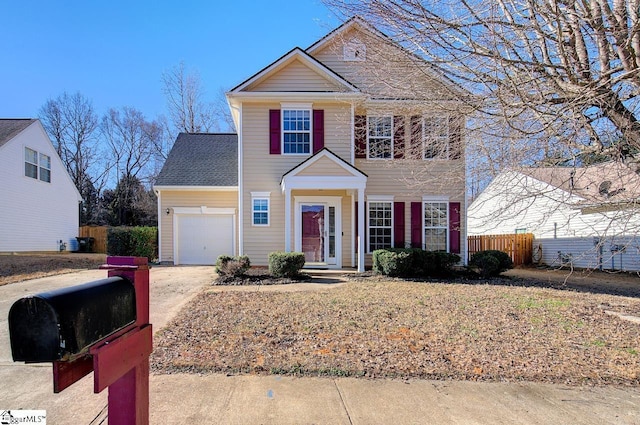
<point>294,96</point>
<point>197,188</point>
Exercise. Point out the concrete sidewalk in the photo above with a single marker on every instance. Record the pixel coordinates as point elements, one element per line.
<point>219,399</point>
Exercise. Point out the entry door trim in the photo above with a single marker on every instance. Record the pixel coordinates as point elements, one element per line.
<point>328,201</point>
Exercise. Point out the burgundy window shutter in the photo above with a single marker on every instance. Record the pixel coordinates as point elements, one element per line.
<point>454,227</point>
<point>398,137</point>
<point>455,138</point>
<point>416,224</point>
<point>318,130</point>
<point>415,151</point>
<point>274,131</point>
<point>360,135</point>
<point>398,224</point>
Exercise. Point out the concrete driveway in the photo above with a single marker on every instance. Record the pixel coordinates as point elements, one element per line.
<point>31,386</point>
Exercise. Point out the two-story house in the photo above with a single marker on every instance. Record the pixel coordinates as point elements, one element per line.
<point>348,146</point>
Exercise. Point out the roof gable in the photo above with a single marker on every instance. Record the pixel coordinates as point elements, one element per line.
<point>201,159</point>
<point>297,60</point>
<point>388,70</point>
<point>324,159</point>
<point>10,128</point>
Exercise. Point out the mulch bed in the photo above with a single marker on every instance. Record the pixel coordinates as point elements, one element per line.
<point>375,327</point>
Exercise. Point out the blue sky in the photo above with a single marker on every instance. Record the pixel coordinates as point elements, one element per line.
<point>114,52</point>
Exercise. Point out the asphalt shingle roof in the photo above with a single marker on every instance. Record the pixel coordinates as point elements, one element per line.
<point>9,128</point>
<point>201,159</point>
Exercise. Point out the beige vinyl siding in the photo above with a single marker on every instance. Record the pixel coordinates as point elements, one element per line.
<point>384,71</point>
<point>186,198</point>
<point>295,76</point>
<point>262,172</point>
<point>324,167</point>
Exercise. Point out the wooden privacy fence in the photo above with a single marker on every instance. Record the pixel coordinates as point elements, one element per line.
<point>518,246</point>
<point>99,235</point>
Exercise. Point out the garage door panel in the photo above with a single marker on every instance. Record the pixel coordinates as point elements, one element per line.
<point>202,238</point>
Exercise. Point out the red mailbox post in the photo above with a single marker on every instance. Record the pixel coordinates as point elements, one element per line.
<point>120,362</point>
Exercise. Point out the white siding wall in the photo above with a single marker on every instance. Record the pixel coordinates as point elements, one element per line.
<point>615,253</point>
<point>514,201</point>
<point>35,215</point>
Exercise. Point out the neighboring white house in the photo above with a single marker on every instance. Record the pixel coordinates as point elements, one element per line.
<point>585,216</point>
<point>39,207</point>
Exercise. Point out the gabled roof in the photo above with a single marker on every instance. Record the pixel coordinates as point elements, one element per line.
<point>201,159</point>
<point>601,183</point>
<point>306,59</point>
<point>322,153</point>
<point>10,128</point>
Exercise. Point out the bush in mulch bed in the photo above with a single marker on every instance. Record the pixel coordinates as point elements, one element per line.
<point>259,276</point>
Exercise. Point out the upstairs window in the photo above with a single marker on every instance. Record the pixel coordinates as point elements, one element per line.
<point>436,138</point>
<point>296,131</point>
<point>380,137</point>
<point>37,165</point>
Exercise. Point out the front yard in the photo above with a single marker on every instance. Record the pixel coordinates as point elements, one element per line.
<point>395,329</point>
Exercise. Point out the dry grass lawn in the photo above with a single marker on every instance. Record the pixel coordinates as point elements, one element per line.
<point>398,329</point>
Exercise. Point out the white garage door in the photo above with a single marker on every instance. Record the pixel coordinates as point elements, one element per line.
<point>202,238</point>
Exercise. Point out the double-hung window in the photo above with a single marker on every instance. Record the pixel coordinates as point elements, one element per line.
<point>380,137</point>
<point>380,218</point>
<point>436,138</point>
<point>260,208</point>
<point>436,226</point>
<point>296,131</point>
<point>37,165</point>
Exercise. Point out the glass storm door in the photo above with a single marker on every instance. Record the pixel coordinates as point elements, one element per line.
<point>318,233</point>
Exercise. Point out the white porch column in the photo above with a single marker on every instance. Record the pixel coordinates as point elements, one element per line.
<point>287,220</point>
<point>361,236</point>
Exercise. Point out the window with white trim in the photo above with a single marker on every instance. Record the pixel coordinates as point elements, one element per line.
<point>37,165</point>
<point>379,137</point>
<point>435,137</point>
<point>260,208</point>
<point>380,219</point>
<point>296,131</point>
<point>436,226</point>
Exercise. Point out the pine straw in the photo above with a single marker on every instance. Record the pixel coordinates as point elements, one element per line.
<point>397,329</point>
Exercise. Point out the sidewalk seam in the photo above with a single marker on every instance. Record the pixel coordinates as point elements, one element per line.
<point>344,405</point>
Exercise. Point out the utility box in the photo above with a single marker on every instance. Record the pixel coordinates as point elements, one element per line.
<point>63,324</point>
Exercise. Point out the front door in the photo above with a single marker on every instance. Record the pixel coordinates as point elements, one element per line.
<point>317,231</point>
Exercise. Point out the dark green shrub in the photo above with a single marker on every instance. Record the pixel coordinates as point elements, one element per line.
<point>436,263</point>
<point>413,262</point>
<point>133,241</point>
<point>286,264</point>
<point>491,262</point>
<point>393,262</point>
<point>232,266</point>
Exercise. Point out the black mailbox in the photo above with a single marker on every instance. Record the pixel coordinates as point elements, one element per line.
<point>61,324</point>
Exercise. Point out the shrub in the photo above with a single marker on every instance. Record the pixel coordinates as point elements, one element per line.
<point>133,241</point>
<point>435,263</point>
<point>393,262</point>
<point>232,266</point>
<point>406,262</point>
<point>491,262</point>
<point>285,264</point>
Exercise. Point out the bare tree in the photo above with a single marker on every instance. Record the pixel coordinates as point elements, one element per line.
<point>564,74</point>
<point>188,111</point>
<point>132,142</point>
<point>71,122</point>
